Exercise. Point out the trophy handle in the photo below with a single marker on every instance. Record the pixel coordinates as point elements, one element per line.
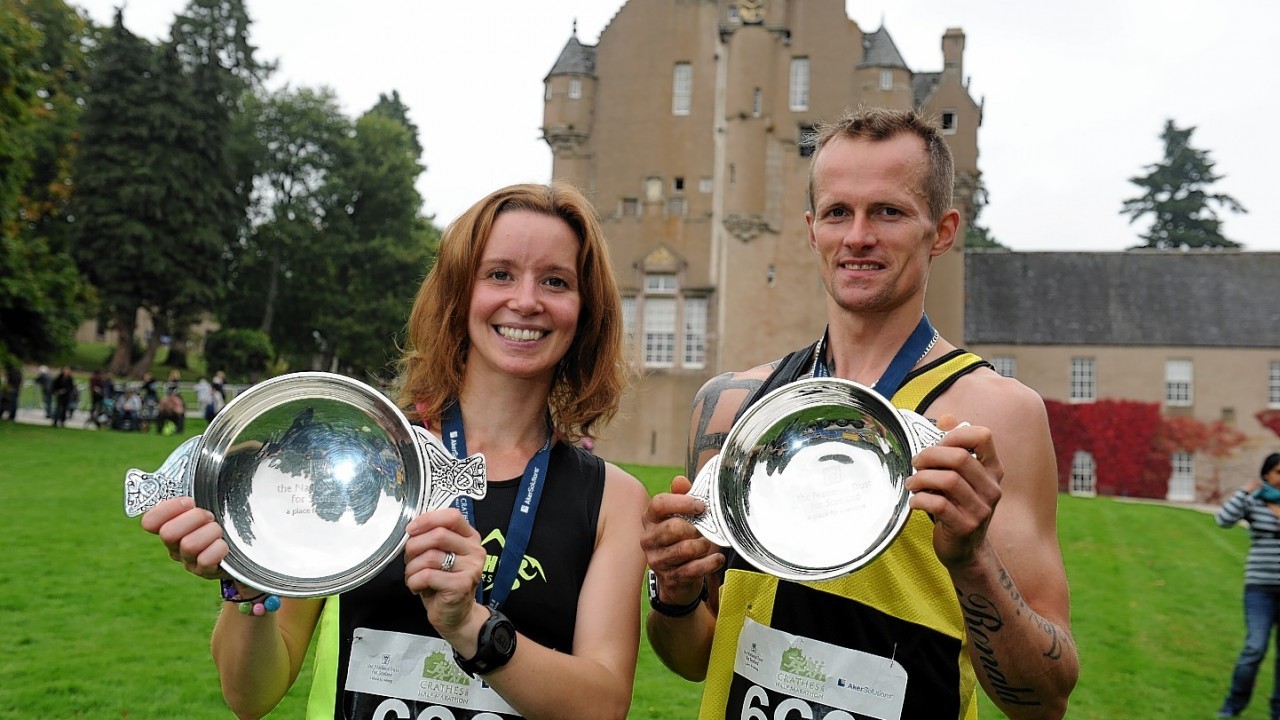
<point>708,522</point>
<point>921,432</point>
<point>450,478</point>
<point>144,490</point>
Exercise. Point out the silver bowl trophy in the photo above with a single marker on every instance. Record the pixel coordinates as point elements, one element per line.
<point>811,481</point>
<point>313,477</point>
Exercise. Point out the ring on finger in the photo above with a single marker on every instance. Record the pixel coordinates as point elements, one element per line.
<point>449,559</point>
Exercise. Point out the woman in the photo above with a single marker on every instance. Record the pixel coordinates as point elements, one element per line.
<point>1258,504</point>
<point>524,288</point>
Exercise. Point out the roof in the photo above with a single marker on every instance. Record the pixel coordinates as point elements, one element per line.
<point>575,59</point>
<point>878,50</point>
<point>1222,298</point>
<point>922,85</point>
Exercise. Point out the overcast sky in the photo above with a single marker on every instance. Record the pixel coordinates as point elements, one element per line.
<point>1076,94</point>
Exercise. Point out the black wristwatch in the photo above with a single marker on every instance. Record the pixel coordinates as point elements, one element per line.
<point>674,611</point>
<point>496,645</point>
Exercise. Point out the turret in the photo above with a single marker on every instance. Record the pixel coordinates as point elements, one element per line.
<point>569,99</point>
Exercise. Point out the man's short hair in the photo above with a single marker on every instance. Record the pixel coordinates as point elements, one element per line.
<point>877,124</point>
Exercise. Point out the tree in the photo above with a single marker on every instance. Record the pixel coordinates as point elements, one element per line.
<point>1175,193</point>
<point>298,213</point>
<point>970,185</point>
<point>140,234</point>
<point>42,62</point>
<point>389,252</point>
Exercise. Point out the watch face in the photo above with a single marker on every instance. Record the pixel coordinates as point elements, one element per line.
<point>504,639</point>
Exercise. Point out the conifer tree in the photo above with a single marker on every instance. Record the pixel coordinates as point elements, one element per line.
<point>1175,193</point>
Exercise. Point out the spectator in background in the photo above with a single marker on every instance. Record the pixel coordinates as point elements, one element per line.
<point>213,405</point>
<point>44,381</point>
<point>203,391</point>
<point>1258,504</point>
<point>220,385</point>
<point>149,392</point>
<point>97,393</point>
<point>174,383</point>
<point>64,391</point>
<point>11,392</point>
<point>130,410</point>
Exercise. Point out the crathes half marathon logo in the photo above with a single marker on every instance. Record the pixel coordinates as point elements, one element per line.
<point>800,674</point>
<point>438,667</point>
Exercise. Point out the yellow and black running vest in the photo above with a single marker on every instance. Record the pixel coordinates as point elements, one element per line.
<point>899,609</point>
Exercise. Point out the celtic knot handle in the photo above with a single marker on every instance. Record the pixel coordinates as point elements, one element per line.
<point>451,478</point>
<point>144,490</point>
<point>708,523</point>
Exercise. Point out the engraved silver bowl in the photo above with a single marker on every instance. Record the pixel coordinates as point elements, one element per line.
<point>810,483</point>
<point>313,477</point>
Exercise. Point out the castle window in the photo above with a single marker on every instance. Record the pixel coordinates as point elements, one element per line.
<point>757,103</point>
<point>630,207</point>
<point>948,122</point>
<point>1005,365</point>
<point>808,140</point>
<point>695,332</point>
<point>1273,385</point>
<point>675,206</point>
<point>575,89</point>
<point>677,184</point>
<point>799,83</point>
<point>659,332</point>
<point>1182,481</point>
<point>1084,474</point>
<point>673,324</point>
<point>1177,383</point>
<point>886,79</point>
<point>705,185</point>
<point>1083,380</point>
<point>682,89</point>
<point>629,316</point>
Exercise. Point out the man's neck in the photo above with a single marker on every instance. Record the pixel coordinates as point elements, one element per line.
<point>861,347</point>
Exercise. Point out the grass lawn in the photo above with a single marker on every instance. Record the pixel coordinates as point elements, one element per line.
<point>99,623</point>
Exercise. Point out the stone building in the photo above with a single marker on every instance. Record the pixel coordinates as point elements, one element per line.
<point>1196,332</point>
<point>688,125</point>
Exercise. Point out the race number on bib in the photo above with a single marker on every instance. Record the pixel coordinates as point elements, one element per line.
<point>778,675</point>
<point>397,676</point>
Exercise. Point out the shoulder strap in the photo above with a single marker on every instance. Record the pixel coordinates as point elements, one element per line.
<point>788,371</point>
<point>924,385</point>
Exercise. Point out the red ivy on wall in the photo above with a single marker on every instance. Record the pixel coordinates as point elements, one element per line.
<point>1131,443</point>
<point>1271,419</point>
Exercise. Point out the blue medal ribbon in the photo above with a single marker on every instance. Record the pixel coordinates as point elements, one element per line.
<point>912,351</point>
<point>520,527</point>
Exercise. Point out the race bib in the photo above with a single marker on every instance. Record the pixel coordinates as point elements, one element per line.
<point>781,676</point>
<point>397,676</point>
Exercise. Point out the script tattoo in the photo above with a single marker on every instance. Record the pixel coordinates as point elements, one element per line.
<point>1056,639</point>
<point>704,406</point>
<point>983,620</point>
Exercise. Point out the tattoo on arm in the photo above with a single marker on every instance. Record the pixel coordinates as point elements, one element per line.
<point>705,404</point>
<point>983,619</point>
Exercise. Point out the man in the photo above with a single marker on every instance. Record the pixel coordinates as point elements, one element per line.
<point>967,593</point>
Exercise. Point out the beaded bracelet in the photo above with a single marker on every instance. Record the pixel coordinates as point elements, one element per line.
<point>259,604</point>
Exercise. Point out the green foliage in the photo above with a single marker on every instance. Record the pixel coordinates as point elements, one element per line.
<point>238,352</point>
<point>157,183</point>
<point>1155,600</point>
<point>1174,193</point>
<point>337,248</point>
<point>42,295</point>
<point>18,101</point>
